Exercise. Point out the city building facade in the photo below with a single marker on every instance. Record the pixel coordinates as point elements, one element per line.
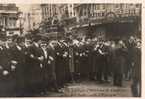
<point>87,19</point>
<point>49,11</point>
<point>102,18</point>
<point>35,16</point>
<point>31,16</point>
<point>9,16</point>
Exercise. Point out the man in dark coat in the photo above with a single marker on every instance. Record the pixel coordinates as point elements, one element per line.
<point>27,66</point>
<point>118,64</point>
<point>71,60</point>
<point>77,62</point>
<point>128,68</point>
<point>34,68</point>
<point>59,49</point>
<point>51,69</point>
<point>100,62</point>
<point>105,50</point>
<point>17,65</point>
<point>7,81</point>
<point>95,61</point>
<point>136,81</point>
<point>44,66</point>
<point>65,63</point>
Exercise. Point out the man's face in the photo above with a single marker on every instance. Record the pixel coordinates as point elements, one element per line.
<point>121,42</point>
<point>9,41</point>
<point>131,39</point>
<point>28,42</point>
<point>43,45</point>
<point>139,44</point>
<point>39,42</point>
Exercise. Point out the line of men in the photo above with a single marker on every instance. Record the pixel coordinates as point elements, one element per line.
<point>32,66</point>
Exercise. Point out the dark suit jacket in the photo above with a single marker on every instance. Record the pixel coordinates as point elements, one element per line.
<point>50,72</point>
<point>118,61</point>
<point>19,73</point>
<point>137,64</point>
<point>34,70</point>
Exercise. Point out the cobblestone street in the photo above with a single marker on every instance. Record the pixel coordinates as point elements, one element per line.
<point>93,89</point>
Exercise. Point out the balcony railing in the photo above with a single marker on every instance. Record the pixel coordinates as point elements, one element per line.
<point>10,8</point>
<point>98,21</point>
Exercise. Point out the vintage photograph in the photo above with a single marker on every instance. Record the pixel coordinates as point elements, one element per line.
<point>70,50</point>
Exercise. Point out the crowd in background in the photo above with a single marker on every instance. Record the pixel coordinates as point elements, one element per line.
<point>34,65</point>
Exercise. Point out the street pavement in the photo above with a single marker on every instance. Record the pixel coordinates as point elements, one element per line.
<point>93,89</point>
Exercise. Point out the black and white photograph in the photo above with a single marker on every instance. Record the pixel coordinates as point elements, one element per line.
<point>70,50</point>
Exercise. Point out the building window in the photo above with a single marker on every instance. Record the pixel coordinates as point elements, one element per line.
<point>99,14</point>
<point>98,7</point>
<point>45,11</point>
<point>74,13</point>
<point>134,12</point>
<point>103,14</point>
<point>131,4</point>
<point>96,15</point>
<point>84,12</point>
<point>70,13</point>
<point>117,6</point>
<point>103,6</point>
<point>137,5</point>
<point>94,7</point>
<point>121,6</point>
<point>126,6</point>
<point>14,24</point>
<point>1,22</point>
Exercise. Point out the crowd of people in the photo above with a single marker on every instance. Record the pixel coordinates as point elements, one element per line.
<point>34,65</point>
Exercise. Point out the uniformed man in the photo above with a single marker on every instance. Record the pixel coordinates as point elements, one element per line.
<point>136,81</point>
<point>34,70</point>
<point>76,60</point>
<point>100,63</point>
<point>65,62</point>
<point>105,52</point>
<point>17,65</point>
<point>119,62</point>
<point>52,83</point>
<point>88,55</point>
<point>44,66</point>
<point>130,46</point>
<point>92,60</point>
<point>60,64</point>
<point>27,66</point>
<point>8,81</point>
<point>71,60</point>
